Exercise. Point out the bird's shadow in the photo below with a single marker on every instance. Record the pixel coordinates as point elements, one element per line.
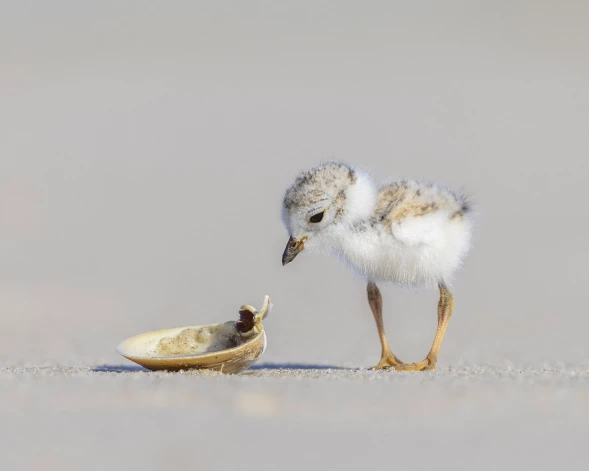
<point>260,367</point>
<point>293,366</point>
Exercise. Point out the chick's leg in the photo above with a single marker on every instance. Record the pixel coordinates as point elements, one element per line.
<point>445,309</point>
<point>388,359</point>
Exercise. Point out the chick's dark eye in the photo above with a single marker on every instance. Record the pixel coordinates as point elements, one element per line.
<point>317,217</point>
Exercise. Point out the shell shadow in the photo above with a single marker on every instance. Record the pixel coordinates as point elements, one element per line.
<point>260,367</point>
<point>119,369</point>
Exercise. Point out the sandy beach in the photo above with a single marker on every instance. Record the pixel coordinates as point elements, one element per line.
<point>293,417</point>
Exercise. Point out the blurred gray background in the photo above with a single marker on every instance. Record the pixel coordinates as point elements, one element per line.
<point>145,148</point>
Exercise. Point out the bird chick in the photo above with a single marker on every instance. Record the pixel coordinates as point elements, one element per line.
<point>407,232</point>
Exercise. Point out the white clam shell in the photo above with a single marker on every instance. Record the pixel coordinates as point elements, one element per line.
<point>219,347</point>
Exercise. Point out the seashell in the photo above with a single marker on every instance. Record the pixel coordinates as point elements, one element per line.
<point>230,347</point>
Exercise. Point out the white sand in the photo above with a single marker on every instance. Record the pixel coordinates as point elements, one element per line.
<point>271,418</point>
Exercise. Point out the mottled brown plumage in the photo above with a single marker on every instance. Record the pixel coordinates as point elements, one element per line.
<point>406,198</point>
<point>312,187</point>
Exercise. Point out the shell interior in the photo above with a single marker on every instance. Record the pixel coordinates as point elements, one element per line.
<point>182,341</point>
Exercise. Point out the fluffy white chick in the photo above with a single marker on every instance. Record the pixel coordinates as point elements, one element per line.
<point>407,232</point>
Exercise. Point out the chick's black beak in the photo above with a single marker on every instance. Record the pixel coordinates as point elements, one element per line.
<point>293,248</point>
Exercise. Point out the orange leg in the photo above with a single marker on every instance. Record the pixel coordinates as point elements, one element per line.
<point>388,358</point>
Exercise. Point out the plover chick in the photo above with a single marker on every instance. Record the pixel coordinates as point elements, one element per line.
<point>407,232</point>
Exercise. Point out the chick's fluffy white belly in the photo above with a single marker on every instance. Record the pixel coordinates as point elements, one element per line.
<point>416,251</point>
